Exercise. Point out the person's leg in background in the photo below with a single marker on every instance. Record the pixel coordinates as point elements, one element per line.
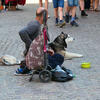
<point>41,4</point>
<point>60,8</point>
<point>83,13</point>
<point>46,5</point>
<point>55,5</point>
<point>67,12</point>
<point>96,4</point>
<point>74,7</point>
<point>73,22</point>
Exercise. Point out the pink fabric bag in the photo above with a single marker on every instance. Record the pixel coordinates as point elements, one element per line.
<point>35,56</point>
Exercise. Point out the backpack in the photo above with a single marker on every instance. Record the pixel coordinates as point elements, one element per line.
<point>61,74</point>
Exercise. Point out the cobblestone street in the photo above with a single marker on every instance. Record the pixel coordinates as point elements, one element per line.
<point>86,84</point>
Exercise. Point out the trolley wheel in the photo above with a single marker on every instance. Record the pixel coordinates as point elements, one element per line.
<point>45,76</point>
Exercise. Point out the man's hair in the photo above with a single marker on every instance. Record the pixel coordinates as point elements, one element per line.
<point>40,13</point>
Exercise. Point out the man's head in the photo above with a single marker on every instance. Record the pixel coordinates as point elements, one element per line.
<point>40,14</point>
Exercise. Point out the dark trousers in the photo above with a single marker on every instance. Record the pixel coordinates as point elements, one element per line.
<point>55,60</point>
<point>26,39</point>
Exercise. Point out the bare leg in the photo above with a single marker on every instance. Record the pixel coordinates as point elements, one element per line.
<point>56,12</point>
<point>60,13</point>
<point>40,3</point>
<point>83,13</point>
<point>96,4</point>
<point>91,4</point>
<point>73,11</point>
<point>82,4</point>
<point>46,4</point>
<point>67,8</point>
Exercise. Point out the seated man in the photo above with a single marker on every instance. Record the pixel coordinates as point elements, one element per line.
<point>35,55</point>
<point>32,30</point>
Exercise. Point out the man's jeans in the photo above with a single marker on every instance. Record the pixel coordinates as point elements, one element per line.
<point>55,60</point>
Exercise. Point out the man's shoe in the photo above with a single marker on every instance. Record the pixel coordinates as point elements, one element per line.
<point>83,13</point>
<point>22,72</point>
<point>67,18</point>
<point>73,23</point>
<point>56,21</point>
<point>76,17</point>
<point>62,23</point>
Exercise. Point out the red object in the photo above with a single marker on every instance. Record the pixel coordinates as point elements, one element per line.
<point>45,39</point>
<point>15,2</point>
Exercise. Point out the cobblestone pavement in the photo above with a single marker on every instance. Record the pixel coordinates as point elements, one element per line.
<point>86,85</point>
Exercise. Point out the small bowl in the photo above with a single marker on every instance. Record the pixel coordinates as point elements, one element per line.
<point>86,65</point>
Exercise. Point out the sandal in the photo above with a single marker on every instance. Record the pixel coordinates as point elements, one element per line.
<point>96,10</point>
<point>91,9</point>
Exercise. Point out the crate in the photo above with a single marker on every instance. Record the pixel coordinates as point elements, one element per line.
<point>11,8</point>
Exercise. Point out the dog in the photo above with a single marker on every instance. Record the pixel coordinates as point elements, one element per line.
<point>9,60</point>
<point>59,45</point>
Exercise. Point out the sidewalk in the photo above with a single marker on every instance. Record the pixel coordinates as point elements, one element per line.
<point>86,85</point>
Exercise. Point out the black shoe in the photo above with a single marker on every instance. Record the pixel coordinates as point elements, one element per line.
<point>56,21</point>
<point>23,71</point>
<point>67,18</point>
<point>83,13</point>
<point>76,17</point>
<point>73,23</point>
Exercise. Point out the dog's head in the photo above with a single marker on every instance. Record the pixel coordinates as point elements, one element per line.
<point>63,39</point>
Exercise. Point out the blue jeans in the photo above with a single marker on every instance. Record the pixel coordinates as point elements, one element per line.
<point>72,3</point>
<point>58,3</point>
<point>55,60</point>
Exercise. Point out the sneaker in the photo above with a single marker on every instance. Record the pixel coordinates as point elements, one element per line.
<point>22,72</point>
<point>76,17</point>
<point>96,10</point>
<point>73,23</point>
<point>83,13</point>
<point>67,17</point>
<point>62,23</point>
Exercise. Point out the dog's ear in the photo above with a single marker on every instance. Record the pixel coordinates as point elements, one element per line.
<point>62,35</point>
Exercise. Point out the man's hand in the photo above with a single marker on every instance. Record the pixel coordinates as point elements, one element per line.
<point>50,51</point>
